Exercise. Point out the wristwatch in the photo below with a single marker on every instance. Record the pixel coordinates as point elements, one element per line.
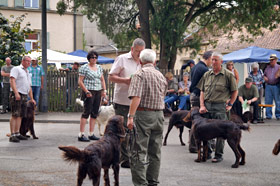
<point>88,92</point>
<point>229,104</point>
<point>130,116</point>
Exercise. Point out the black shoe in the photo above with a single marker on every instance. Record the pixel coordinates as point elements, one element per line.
<point>14,139</point>
<point>217,159</point>
<point>268,118</point>
<point>21,137</point>
<point>93,137</point>
<point>83,138</point>
<point>125,164</point>
<point>3,112</point>
<point>255,122</point>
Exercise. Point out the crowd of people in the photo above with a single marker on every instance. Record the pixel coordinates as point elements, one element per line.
<point>141,95</point>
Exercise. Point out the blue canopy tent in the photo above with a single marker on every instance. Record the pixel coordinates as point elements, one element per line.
<point>100,60</point>
<point>250,55</point>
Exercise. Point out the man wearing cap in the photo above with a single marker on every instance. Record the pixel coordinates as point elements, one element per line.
<point>249,92</point>
<point>271,89</point>
<point>37,78</point>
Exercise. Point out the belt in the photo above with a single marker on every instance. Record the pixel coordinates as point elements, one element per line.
<point>147,109</point>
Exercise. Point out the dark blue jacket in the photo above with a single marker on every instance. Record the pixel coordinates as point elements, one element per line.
<point>196,74</point>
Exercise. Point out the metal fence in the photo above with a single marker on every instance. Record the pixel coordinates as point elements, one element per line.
<point>63,89</point>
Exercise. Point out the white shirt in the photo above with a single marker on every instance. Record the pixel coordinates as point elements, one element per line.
<point>124,66</point>
<point>23,79</point>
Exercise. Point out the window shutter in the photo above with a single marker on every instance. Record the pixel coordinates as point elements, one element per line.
<point>19,3</point>
<point>3,2</point>
<point>48,40</point>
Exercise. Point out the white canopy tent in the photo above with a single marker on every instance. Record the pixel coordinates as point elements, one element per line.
<point>58,58</point>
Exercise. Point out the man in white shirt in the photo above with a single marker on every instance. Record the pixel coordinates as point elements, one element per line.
<point>123,68</point>
<point>21,86</point>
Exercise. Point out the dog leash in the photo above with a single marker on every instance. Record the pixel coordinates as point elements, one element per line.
<point>132,138</point>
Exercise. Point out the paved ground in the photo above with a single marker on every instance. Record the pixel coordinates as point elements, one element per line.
<point>39,163</point>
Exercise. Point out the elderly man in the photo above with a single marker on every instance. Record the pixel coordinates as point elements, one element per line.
<point>218,91</point>
<point>147,90</point>
<point>37,78</point>
<point>249,92</point>
<point>21,85</point>
<point>123,68</point>
<point>5,72</point>
<point>271,88</point>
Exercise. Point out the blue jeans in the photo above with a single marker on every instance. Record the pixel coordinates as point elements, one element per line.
<point>184,100</point>
<point>170,99</point>
<point>272,93</point>
<point>36,93</point>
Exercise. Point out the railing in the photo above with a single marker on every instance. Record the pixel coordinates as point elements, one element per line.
<point>63,89</point>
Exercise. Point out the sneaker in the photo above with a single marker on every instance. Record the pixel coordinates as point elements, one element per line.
<point>93,137</point>
<point>217,159</point>
<point>14,139</point>
<point>125,164</point>
<point>21,137</point>
<point>83,138</point>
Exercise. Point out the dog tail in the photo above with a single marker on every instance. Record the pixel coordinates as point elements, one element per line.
<point>72,154</point>
<point>245,127</point>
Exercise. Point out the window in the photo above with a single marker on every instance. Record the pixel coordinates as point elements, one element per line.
<point>31,3</point>
<point>3,2</point>
<point>31,42</point>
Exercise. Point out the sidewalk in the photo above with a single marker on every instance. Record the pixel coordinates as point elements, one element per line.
<point>50,117</point>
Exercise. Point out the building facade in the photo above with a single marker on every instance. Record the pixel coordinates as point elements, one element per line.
<point>60,29</point>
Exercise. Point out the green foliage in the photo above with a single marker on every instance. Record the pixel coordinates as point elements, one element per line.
<point>172,20</point>
<point>12,38</point>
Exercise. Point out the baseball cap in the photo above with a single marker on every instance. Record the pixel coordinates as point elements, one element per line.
<point>248,80</point>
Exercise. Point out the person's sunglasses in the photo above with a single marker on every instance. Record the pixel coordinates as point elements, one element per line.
<point>93,57</point>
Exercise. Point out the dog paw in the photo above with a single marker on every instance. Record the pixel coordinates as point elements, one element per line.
<point>197,160</point>
<point>164,144</point>
<point>234,166</point>
<point>242,163</point>
<point>35,137</point>
<point>183,144</point>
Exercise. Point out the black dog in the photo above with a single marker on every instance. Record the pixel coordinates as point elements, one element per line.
<point>176,119</point>
<point>27,122</point>
<point>205,129</point>
<point>104,153</point>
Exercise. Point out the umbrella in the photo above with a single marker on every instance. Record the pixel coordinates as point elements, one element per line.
<point>100,60</point>
<point>250,55</point>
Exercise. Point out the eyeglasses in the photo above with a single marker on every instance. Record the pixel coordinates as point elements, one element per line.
<point>93,57</point>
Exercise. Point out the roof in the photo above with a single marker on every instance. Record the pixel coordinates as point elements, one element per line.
<point>269,40</point>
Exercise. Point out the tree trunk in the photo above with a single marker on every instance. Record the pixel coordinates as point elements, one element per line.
<point>144,8</point>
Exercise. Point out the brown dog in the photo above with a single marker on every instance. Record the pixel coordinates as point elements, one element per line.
<point>104,153</point>
<point>27,122</point>
<point>176,120</point>
<point>276,148</point>
<point>205,129</point>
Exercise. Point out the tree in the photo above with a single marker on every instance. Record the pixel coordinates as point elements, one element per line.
<point>165,23</point>
<point>12,38</point>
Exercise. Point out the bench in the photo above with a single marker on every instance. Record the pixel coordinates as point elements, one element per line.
<point>263,106</point>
